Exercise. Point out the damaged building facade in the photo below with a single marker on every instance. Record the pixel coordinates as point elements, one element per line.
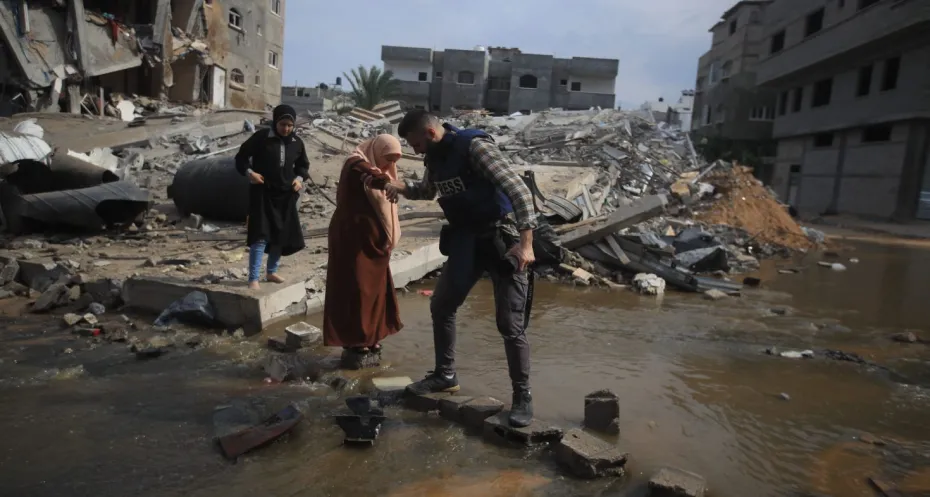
<point>500,80</point>
<point>853,113</point>
<point>729,106</point>
<point>85,56</point>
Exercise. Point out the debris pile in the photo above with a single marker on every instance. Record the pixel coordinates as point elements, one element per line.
<point>644,201</point>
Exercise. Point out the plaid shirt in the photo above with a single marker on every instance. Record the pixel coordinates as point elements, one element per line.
<point>487,159</point>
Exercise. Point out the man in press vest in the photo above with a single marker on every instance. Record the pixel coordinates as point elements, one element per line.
<point>491,218</point>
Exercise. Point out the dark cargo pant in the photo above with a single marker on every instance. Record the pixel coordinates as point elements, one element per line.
<point>468,259</point>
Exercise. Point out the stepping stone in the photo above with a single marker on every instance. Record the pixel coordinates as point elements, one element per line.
<point>302,335</point>
<point>602,411</point>
<point>673,482</point>
<point>450,407</point>
<point>497,430</point>
<point>390,390</point>
<point>424,403</point>
<point>476,411</point>
<point>279,344</point>
<point>354,361</point>
<point>589,457</point>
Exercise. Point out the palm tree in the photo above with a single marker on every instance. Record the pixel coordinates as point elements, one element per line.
<point>372,86</point>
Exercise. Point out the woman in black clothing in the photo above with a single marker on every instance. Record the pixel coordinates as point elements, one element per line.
<point>276,163</point>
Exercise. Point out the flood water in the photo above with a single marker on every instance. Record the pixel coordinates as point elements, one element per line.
<point>696,390</point>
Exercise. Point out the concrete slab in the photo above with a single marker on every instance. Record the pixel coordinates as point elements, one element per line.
<point>302,335</point>
<point>497,430</point>
<point>425,403</point>
<point>674,482</point>
<point>476,411</point>
<point>418,264</point>
<point>450,407</point>
<point>602,411</point>
<point>234,306</point>
<point>389,390</point>
<point>588,457</point>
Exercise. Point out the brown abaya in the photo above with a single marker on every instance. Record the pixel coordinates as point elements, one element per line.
<point>361,307</point>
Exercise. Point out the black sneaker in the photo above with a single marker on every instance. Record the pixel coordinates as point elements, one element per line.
<point>521,410</point>
<point>434,383</point>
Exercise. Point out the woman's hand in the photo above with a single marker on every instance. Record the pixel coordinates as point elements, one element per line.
<point>297,184</point>
<point>255,178</point>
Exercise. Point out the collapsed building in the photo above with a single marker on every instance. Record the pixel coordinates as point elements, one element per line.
<point>87,56</point>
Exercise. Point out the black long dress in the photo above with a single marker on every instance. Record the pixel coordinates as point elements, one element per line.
<point>273,215</point>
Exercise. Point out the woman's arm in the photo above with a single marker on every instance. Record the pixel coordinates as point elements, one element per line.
<point>302,165</point>
<point>245,154</point>
<point>378,178</point>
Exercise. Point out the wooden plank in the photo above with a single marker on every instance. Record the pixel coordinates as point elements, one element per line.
<point>577,185</point>
<point>615,248</point>
<point>565,228</point>
<point>586,195</point>
<point>644,209</point>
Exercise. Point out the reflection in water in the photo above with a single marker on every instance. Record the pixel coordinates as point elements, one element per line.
<point>696,392</point>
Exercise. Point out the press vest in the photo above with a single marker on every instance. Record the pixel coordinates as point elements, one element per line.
<point>467,197</point>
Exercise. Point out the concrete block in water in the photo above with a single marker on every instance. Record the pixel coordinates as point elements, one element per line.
<point>302,335</point>
<point>497,430</point>
<point>602,411</point>
<point>476,411</point>
<point>673,482</point>
<point>353,360</point>
<point>424,403</point>
<point>588,457</point>
<point>390,390</point>
<point>450,407</point>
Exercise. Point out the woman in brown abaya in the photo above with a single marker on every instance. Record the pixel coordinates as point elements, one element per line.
<point>361,307</point>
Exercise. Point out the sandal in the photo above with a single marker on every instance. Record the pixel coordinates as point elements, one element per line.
<point>376,348</point>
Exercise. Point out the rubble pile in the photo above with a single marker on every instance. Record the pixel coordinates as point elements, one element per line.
<point>645,202</point>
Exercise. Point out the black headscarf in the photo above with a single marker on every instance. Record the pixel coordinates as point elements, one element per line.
<point>283,112</point>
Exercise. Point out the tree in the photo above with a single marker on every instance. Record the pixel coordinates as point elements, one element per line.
<point>372,86</point>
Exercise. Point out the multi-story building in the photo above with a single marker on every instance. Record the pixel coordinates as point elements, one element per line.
<point>227,54</point>
<point>503,80</point>
<point>853,114</point>
<point>250,48</point>
<point>727,102</point>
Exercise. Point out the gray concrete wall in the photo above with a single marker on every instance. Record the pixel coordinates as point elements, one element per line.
<point>414,54</point>
<point>910,99</point>
<point>536,99</point>
<point>599,68</point>
<point>455,94</point>
<point>845,30</point>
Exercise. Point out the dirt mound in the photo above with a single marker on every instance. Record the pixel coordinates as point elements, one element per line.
<point>749,205</point>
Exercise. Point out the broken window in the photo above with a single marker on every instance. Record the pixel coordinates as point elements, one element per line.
<point>273,59</point>
<point>438,74</point>
<point>699,84</point>
<point>864,84</point>
<point>864,4</point>
<point>276,6</point>
<point>778,42</point>
<point>705,115</point>
<point>258,79</point>
<point>528,81</point>
<point>235,19</point>
<point>563,82</point>
<point>421,76</point>
<point>814,22</point>
<point>822,140</point>
<point>726,69</point>
<point>712,74</point>
<point>466,78</point>
<point>783,104</point>
<point>876,133</point>
<point>258,29</point>
<point>798,99</point>
<point>823,90</point>
<point>576,85</point>
<point>733,27</point>
<point>237,76</point>
<point>761,114</point>
<point>890,77</point>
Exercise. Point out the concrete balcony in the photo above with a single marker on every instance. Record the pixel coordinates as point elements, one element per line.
<point>892,17</point>
<point>584,100</point>
<point>595,68</point>
<point>414,89</point>
<point>412,54</point>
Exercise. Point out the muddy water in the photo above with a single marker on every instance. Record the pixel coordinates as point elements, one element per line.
<point>696,392</point>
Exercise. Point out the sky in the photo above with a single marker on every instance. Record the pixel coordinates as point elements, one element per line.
<point>657,42</point>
